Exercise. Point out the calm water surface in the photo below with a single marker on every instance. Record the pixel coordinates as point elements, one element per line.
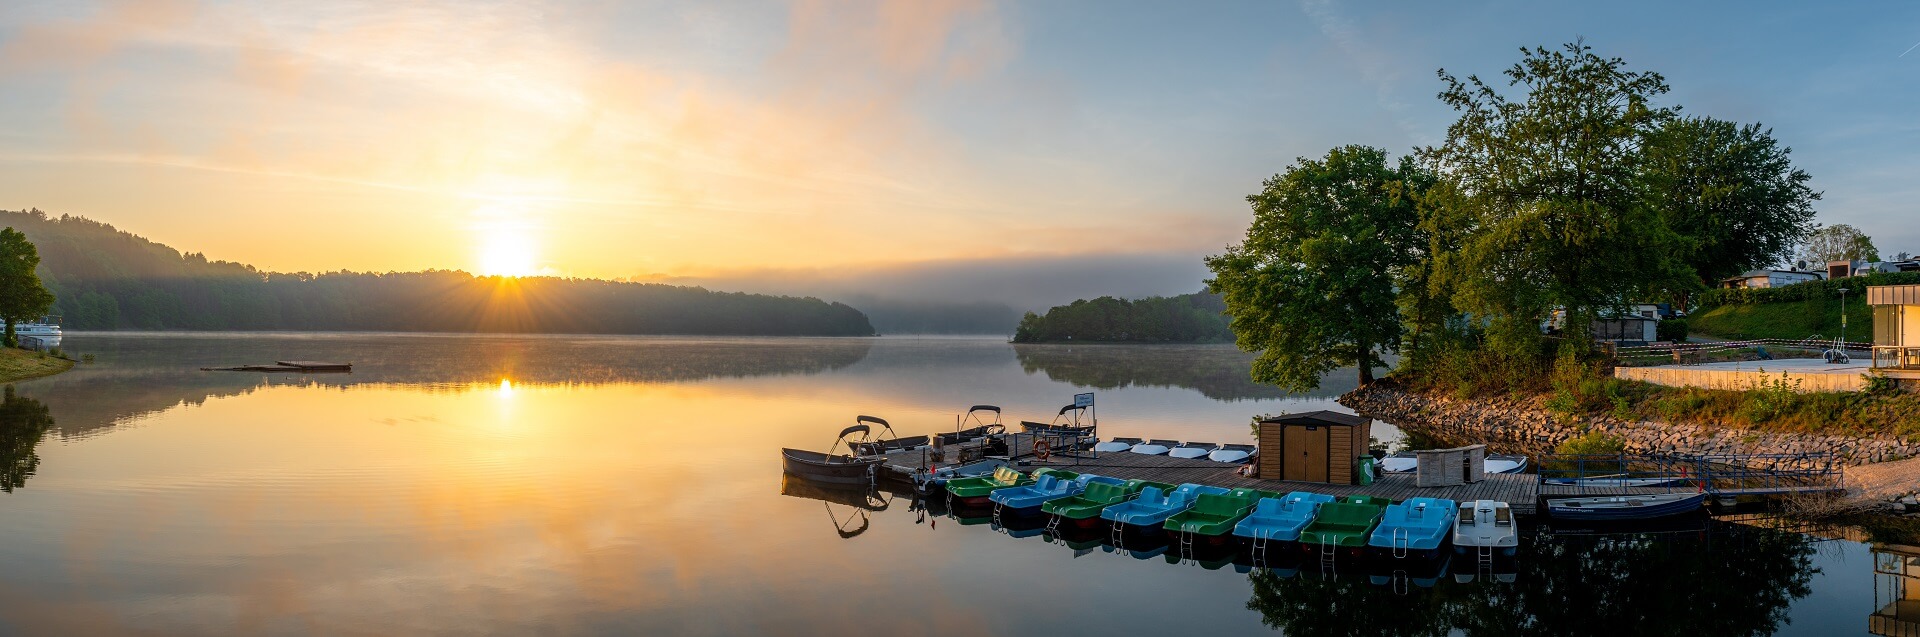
<point>587,485</point>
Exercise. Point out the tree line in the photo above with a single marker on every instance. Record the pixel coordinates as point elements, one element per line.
<point>107,279</point>
<point>1567,188</point>
<point>1189,318</point>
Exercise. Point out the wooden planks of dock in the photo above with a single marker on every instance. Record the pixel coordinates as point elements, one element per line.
<point>1518,490</point>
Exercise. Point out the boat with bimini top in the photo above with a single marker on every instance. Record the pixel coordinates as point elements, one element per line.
<point>829,468</point>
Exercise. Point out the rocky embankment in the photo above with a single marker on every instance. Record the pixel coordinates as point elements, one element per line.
<point>1524,425</point>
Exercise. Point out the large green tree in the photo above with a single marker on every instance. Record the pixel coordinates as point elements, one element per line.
<point>1544,194</point>
<point>21,295</point>
<point>1312,288</point>
<point>1729,191</point>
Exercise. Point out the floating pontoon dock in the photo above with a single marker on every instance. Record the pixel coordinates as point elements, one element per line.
<point>1520,490</point>
<point>286,366</point>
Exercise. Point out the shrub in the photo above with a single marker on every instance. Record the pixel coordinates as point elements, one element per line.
<point>1592,443</point>
<point>1770,398</point>
<point>1674,330</point>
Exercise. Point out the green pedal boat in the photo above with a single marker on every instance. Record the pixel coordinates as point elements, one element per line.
<point>1212,517</point>
<point>1083,511</point>
<point>1342,527</point>
<point>973,492</point>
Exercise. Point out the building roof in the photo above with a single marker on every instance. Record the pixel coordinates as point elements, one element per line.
<point>1893,295</point>
<point>1322,417</point>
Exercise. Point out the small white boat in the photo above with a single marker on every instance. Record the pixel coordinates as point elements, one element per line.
<point>1615,483</point>
<point>1231,453</point>
<point>1154,447</point>
<point>1486,525</point>
<point>1626,507</point>
<point>1192,450</point>
<point>1117,445</point>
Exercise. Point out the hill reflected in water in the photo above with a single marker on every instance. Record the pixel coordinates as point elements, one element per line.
<point>1216,371</point>
<point>148,373</point>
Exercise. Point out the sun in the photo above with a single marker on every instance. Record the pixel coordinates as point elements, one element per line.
<point>507,251</point>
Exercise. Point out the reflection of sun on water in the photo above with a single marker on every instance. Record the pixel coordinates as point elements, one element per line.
<point>506,388</point>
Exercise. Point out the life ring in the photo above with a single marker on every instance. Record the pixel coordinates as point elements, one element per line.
<point>1042,450</point>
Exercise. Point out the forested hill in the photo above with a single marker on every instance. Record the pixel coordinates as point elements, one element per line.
<point>105,278</point>
<point>1189,318</point>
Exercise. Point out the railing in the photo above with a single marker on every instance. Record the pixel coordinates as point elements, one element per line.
<point>1691,353</point>
<point>1717,473</point>
<point>1896,357</point>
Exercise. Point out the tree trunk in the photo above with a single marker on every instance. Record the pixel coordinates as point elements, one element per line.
<point>1366,367</point>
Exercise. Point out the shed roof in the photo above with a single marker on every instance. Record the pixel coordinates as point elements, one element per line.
<point>1318,418</point>
<point>1893,295</point>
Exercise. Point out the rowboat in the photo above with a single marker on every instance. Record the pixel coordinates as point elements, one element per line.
<point>1625,507</point>
<point>1231,453</point>
<point>1615,483</point>
<point>1116,445</point>
<point>1154,447</point>
<point>828,468</point>
<point>1191,450</point>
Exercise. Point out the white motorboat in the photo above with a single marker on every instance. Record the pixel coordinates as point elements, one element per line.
<point>44,332</point>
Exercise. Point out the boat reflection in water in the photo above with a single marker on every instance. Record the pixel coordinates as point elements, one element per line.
<point>855,505</point>
<point>1896,590</point>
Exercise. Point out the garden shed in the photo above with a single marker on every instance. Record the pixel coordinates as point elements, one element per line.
<point>1315,446</point>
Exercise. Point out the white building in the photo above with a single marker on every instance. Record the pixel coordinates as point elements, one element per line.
<point>1770,279</point>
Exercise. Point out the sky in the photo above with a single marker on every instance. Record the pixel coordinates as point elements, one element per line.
<point>959,149</point>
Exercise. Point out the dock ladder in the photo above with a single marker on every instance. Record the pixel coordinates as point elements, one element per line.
<point>1483,562</point>
<point>1186,541</point>
<point>1328,553</point>
<point>1402,543</point>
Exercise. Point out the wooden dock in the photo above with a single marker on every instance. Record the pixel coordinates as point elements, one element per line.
<point>1521,491</point>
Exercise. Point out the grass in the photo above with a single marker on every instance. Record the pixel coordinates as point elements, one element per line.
<point>20,364</point>
<point>1790,319</point>
<point>1575,390</point>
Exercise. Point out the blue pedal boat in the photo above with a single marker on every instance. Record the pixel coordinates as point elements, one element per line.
<point>1046,488</point>
<point>1414,529</point>
<point>1281,519</point>
<point>1151,509</point>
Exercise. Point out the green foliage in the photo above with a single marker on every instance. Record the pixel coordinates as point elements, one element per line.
<point>1546,195</point>
<point>1878,383</point>
<point>1592,443</point>
<point>1312,287</point>
<point>1189,318</point>
<point>23,422</point>
<point>1672,330</point>
<point>1730,191</point>
<point>1811,290</point>
<point>108,279</point>
<point>1770,398</point>
<point>22,298</point>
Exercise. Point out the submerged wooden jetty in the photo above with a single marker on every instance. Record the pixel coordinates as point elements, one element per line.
<point>286,366</point>
<point>1521,491</point>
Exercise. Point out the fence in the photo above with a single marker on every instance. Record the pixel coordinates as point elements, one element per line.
<point>1720,474</point>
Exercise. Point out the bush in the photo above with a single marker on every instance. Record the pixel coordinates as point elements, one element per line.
<point>1592,443</point>
<point>1672,330</point>
<point>1769,399</point>
<point>1803,291</point>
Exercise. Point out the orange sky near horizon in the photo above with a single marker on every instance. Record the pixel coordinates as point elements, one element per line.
<point>510,138</point>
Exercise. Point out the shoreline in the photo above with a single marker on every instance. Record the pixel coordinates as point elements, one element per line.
<point>19,365</point>
<point>1879,469</point>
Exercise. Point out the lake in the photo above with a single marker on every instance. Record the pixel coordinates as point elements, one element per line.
<point>628,485</point>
